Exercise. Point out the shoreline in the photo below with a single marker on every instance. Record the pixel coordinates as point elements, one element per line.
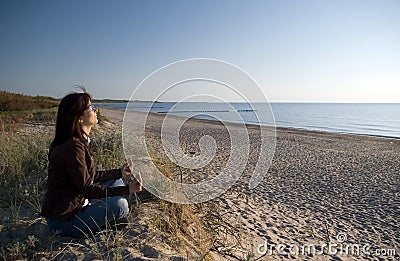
<point>115,115</point>
<point>343,118</point>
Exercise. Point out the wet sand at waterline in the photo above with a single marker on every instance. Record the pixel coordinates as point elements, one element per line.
<point>322,188</point>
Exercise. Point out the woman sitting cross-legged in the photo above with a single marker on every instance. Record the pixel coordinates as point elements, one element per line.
<point>80,200</point>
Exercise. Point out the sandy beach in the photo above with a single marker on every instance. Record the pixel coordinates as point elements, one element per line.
<point>323,190</point>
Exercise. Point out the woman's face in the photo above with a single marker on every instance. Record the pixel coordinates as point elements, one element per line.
<point>89,116</point>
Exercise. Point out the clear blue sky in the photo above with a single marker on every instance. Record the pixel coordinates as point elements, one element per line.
<point>312,50</point>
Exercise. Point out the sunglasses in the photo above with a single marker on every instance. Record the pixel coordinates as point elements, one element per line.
<point>92,108</point>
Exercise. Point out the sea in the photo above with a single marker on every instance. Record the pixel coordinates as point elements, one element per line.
<point>372,119</point>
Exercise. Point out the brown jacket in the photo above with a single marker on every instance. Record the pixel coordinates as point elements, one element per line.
<point>72,178</point>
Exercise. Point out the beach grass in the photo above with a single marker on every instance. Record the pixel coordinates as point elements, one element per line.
<point>23,164</point>
<point>20,102</point>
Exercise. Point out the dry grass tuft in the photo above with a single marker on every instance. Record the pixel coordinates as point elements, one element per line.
<point>204,230</point>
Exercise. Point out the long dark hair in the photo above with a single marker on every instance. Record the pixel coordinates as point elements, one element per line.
<point>70,109</point>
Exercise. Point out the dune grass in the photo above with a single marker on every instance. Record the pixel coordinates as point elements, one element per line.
<point>18,102</point>
<point>23,163</point>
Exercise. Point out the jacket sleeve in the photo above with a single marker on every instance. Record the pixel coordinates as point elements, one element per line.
<point>105,175</point>
<point>78,170</point>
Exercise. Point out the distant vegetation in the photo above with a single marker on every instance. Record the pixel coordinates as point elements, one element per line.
<point>120,101</point>
<point>16,109</point>
<point>19,102</point>
<point>109,101</point>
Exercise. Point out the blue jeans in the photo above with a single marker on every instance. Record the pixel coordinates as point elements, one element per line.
<point>95,216</point>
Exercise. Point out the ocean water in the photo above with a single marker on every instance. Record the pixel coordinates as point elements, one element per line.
<point>373,119</point>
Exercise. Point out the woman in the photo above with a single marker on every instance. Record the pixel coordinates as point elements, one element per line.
<point>79,199</point>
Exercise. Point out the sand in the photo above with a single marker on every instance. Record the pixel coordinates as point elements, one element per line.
<point>322,189</point>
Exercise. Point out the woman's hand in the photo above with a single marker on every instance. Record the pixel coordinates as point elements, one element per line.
<point>135,184</point>
<point>127,169</point>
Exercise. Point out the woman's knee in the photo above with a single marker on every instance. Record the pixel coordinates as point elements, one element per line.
<point>118,206</point>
